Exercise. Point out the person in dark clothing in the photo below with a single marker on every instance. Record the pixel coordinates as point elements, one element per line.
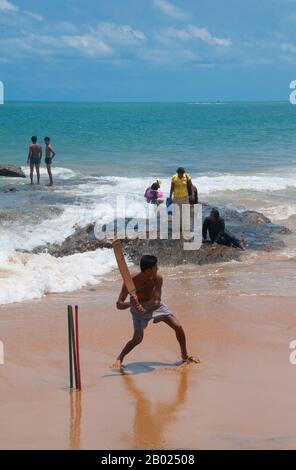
<point>194,196</point>
<point>215,225</point>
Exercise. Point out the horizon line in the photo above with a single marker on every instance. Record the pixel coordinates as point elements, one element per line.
<point>149,101</point>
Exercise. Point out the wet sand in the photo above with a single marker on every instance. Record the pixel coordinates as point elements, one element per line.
<point>241,396</point>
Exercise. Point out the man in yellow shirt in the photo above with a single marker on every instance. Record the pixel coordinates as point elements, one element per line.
<point>181,187</point>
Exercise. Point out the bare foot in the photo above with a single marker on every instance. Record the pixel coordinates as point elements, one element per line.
<point>190,360</point>
<point>117,365</point>
<point>214,247</point>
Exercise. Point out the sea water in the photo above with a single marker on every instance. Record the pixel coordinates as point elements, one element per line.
<point>238,154</point>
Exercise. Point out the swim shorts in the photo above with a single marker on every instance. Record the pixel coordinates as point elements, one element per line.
<point>48,160</point>
<point>35,161</point>
<point>141,321</point>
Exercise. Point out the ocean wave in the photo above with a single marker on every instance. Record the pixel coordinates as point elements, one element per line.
<point>207,103</point>
<point>58,172</point>
<point>28,276</point>
<point>94,199</point>
<point>232,182</point>
<point>17,236</point>
<point>206,184</point>
<point>101,185</point>
<point>279,212</point>
<point>99,194</point>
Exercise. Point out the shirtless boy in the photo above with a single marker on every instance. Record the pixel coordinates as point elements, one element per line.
<point>49,156</point>
<point>34,158</point>
<point>148,286</point>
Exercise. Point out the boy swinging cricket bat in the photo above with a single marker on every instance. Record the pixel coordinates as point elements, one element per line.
<point>145,304</point>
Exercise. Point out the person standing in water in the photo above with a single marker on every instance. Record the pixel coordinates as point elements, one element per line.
<point>181,194</point>
<point>34,158</point>
<point>49,156</point>
<point>181,187</point>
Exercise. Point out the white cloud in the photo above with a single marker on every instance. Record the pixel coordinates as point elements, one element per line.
<point>169,9</point>
<point>35,16</point>
<point>29,44</point>
<point>193,32</point>
<point>166,56</point>
<point>44,40</point>
<point>289,59</point>
<point>89,44</point>
<point>5,5</point>
<point>256,61</point>
<point>119,33</point>
<point>288,47</point>
<point>292,17</point>
<point>114,42</point>
<point>106,40</point>
<point>66,27</point>
<point>99,41</point>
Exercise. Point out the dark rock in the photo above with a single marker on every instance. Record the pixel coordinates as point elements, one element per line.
<point>169,252</point>
<point>172,253</point>
<point>11,171</point>
<point>10,190</point>
<point>255,218</point>
<point>256,230</point>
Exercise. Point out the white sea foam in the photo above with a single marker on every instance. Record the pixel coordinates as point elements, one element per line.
<point>58,172</point>
<point>94,193</point>
<point>279,212</point>
<point>206,184</point>
<point>29,276</point>
<point>25,276</point>
<point>19,237</point>
<point>231,182</point>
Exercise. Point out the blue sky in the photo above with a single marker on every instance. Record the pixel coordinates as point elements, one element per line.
<point>147,50</point>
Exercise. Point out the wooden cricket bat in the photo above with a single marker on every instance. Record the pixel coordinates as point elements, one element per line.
<point>122,266</point>
<point>124,271</point>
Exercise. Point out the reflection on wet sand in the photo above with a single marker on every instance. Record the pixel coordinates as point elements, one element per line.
<point>75,420</point>
<point>151,419</point>
<point>218,282</point>
<point>214,281</point>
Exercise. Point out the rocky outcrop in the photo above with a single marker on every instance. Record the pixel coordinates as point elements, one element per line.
<point>257,231</point>
<point>11,171</point>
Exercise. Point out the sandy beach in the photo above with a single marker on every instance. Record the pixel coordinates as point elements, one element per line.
<point>241,396</point>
